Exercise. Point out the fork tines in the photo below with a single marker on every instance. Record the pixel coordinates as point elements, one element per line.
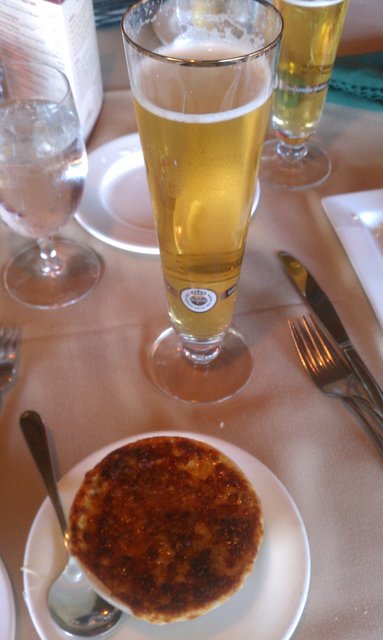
<point>9,341</point>
<point>315,349</point>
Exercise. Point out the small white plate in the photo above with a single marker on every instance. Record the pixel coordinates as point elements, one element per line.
<point>358,221</point>
<point>7,606</point>
<point>116,206</point>
<point>271,601</point>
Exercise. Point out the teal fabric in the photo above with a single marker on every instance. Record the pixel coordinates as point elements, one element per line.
<point>109,12</point>
<point>357,81</point>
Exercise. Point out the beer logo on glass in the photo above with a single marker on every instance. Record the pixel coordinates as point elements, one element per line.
<point>198,300</point>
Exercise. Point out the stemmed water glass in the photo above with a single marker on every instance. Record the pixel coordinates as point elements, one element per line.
<point>312,29</point>
<point>201,75</point>
<point>43,167</point>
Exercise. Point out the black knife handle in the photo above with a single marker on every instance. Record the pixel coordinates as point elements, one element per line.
<point>366,378</point>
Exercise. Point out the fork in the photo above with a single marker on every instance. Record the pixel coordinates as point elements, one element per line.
<point>9,351</point>
<point>332,375</point>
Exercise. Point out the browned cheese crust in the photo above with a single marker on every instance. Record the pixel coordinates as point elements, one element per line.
<point>168,526</point>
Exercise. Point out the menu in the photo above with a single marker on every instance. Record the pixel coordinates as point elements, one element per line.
<point>61,33</point>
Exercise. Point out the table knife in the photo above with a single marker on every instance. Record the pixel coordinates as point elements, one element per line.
<point>321,306</point>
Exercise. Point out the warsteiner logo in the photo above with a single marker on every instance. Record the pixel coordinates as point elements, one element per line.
<point>198,300</point>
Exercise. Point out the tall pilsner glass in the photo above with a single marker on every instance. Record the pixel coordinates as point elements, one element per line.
<point>202,74</point>
<point>312,29</point>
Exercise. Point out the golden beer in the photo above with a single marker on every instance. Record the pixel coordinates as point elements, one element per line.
<point>201,153</point>
<point>202,73</point>
<point>312,29</point>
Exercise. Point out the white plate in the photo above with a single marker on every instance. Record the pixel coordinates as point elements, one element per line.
<point>116,206</point>
<point>268,607</point>
<point>7,605</point>
<point>358,221</point>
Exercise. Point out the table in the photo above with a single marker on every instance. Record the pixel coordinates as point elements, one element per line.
<point>84,369</point>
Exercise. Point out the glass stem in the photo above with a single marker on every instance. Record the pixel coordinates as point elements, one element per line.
<point>292,153</point>
<point>50,264</point>
<point>201,352</point>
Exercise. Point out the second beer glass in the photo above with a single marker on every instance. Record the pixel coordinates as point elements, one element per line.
<point>312,29</point>
<point>202,76</point>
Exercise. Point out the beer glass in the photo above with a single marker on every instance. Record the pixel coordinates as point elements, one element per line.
<point>312,29</point>
<point>201,74</point>
<point>43,167</point>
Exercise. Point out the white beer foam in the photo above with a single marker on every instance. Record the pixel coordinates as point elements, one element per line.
<point>183,49</point>
<point>311,4</point>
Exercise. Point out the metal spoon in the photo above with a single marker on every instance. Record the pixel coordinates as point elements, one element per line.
<point>72,602</point>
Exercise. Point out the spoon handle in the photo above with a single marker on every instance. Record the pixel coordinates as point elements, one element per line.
<point>35,435</point>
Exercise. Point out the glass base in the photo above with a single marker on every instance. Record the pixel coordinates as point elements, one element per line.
<point>79,272</point>
<point>216,381</point>
<point>294,174</point>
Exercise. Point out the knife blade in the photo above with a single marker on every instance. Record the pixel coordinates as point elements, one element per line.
<point>323,309</point>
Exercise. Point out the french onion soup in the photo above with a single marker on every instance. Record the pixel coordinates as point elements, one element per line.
<point>167,528</point>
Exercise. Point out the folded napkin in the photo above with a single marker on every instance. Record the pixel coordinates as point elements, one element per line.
<point>357,81</point>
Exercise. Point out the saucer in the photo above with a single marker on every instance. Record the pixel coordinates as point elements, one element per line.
<point>116,206</point>
<point>7,604</point>
<point>271,601</point>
